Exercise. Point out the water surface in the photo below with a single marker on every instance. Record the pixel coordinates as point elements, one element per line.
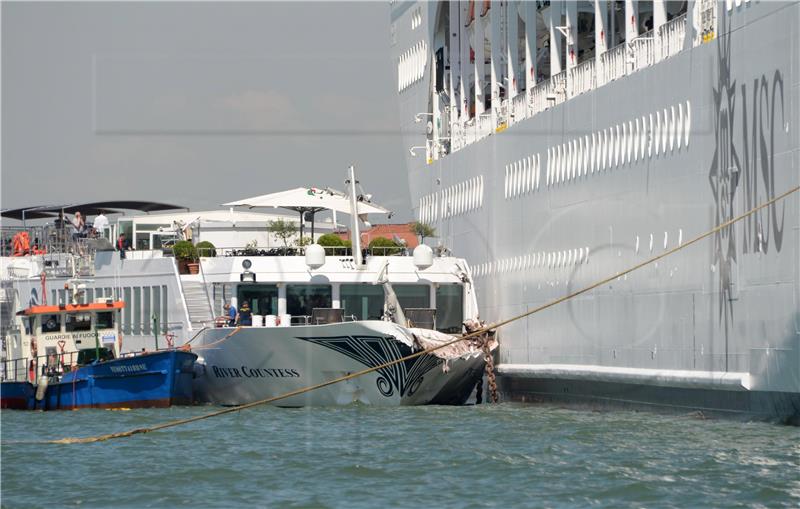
<point>357,456</point>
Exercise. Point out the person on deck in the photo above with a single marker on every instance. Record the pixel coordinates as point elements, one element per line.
<point>79,224</point>
<point>245,315</point>
<point>230,312</point>
<point>123,244</point>
<point>100,224</point>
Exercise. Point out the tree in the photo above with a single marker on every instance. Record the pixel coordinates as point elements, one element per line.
<point>423,230</point>
<point>284,230</point>
<point>381,246</point>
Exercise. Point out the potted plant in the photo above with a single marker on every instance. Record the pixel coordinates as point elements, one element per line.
<point>186,255</point>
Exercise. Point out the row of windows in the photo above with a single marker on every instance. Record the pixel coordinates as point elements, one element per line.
<point>541,259</point>
<point>656,133</point>
<point>416,18</point>
<point>73,322</point>
<point>679,241</point>
<point>561,259</point>
<point>363,301</point>
<point>522,176</point>
<point>729,3</point>
<point>452,201</point>
<point>411,65</point>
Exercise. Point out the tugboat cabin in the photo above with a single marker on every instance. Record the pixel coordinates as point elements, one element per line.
<point>53,339</point>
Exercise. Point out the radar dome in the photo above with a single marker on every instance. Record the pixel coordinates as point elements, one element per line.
<point>423,256</point>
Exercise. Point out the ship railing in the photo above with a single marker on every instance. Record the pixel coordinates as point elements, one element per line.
<point>581,77</point>
<point>613,63</point>
<point>671,36</point>
<point>299,251</point>
<point>539,97</point>
<point>519,108</point>
<point>502,115</point>
<point>457,135</point>
<point>470,134</point>
<point>46,240</point>
<point>483,124</point>
<point>15,370</point>
<point>641,52</point>
<point>31,368</point>
<point>559,90</point>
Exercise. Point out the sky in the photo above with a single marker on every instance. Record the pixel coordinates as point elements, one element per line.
<point>197,104</point>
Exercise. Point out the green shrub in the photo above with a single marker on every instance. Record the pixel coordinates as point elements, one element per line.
<point>330,240</point>
<point>384,246</point>
<point>185,250</point>
<point>206,249</point>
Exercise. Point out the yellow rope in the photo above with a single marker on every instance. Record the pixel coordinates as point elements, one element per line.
<point>304,390</point>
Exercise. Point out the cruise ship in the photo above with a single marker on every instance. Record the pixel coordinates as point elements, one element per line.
<point>554,144</point>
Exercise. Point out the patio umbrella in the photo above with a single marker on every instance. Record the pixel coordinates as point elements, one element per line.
<point>308,199</point>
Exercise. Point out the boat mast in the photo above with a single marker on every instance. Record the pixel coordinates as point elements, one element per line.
<point>355,234</point>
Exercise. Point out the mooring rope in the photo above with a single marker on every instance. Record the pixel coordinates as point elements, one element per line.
<point>486,329</point>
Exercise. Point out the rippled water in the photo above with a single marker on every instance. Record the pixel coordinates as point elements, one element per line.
<point>356,456</point>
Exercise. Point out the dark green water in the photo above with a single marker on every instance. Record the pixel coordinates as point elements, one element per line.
<point>502,455</point>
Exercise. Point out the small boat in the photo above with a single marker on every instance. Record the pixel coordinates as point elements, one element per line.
<point>68,356</point>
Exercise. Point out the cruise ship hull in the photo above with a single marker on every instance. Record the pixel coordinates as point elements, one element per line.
<point>621,173</point>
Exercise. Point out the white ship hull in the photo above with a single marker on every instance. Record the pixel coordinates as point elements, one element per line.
<point>255,363</point>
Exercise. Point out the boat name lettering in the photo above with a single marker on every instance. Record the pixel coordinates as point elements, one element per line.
<point>130,368</point>
<point>76,335</point>
<point>246,372</point>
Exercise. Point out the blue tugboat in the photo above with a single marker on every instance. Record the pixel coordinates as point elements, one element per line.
<point>68,357</point>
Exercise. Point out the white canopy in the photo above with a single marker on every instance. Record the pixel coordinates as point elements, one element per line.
<point>307,199</point>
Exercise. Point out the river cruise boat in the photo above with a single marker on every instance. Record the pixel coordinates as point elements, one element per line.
<point>68,357</point>
<point>327,314</point>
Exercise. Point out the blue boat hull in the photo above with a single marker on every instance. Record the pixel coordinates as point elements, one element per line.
<point>158,379</point>
<point>16,395</point>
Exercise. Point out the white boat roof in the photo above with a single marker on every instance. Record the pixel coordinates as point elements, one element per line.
<point>217,215</point>
<point>307,198</point>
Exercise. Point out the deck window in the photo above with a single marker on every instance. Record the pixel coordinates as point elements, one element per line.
<point>105,320</point>
<point>79,322</point>
<point>263,299</point>
<point>413,296</point>
<point>301,299</point>
<point>449,308</point>
<point>364,301</point>
<point>51,323</point>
